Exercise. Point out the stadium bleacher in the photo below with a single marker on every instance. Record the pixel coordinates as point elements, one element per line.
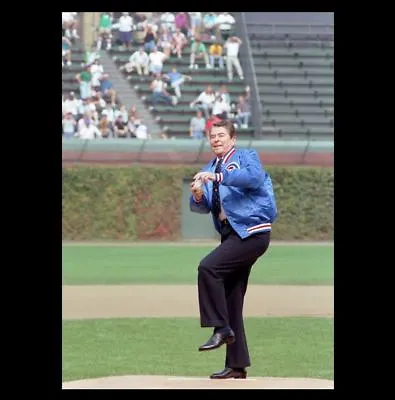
<point>294,66</point>
<point>295,72</point>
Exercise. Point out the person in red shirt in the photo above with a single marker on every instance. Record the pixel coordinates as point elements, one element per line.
<point>209,124</point>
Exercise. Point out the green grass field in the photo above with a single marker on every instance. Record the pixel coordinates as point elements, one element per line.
<point>293,265</point>
<point>284,347</point>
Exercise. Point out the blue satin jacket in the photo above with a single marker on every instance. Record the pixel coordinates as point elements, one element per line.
<point>246,193</point>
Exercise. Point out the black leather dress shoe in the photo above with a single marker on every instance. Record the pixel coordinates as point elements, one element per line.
<point>229,373</point>
<point>217,340</point>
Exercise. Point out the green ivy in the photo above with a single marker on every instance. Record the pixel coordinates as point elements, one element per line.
<point>141,202</point>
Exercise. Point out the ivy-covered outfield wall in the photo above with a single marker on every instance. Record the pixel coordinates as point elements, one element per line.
<point>140,202</point>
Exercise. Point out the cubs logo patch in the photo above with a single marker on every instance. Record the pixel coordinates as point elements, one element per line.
<point>233,165</point>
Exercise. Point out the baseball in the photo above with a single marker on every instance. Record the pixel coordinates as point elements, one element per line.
<point>197,184</point>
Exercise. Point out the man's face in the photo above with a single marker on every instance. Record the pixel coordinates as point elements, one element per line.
<point>220,140</point>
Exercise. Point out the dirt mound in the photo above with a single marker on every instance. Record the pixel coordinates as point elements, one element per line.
<point>184,382</point>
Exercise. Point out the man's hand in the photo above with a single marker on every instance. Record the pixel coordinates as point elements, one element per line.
<point>205,176</point>
<point>196,190</point>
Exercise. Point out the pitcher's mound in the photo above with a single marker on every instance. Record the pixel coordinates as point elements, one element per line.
<point>187,382</point>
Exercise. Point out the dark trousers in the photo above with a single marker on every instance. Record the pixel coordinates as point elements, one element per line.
<point>222,284</point>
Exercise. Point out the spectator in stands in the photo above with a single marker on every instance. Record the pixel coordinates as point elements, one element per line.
<point>97,71</point>
<point>182,22</point>
<point>71,104</point>
<point>141,130</point>
<point>83,122</point>
<point>165,39</point>
<point>232,46</point>
<point>68,125</point>
<point>106,96</point>
<point>215,54</point>
<point>91,55</point>
<point>197,125</point>
<point>205,101</point>
<point>69,24</point>
<point>179,42</point>
<point>196,22</point>
<point>104,126</point>
<point>107,89</point>
<point>88,130</point>
<point>156,59</point>
<point>140,19</point>
<point>159,92</point>
<point>84,78</point>
<point>176,79</point>
<point>154,21</point>
<point>223,91</point>
<point>168,19</point>
<point>198,50</point>
<point>243,110</point>
<point>139,60</point>
<point>89,108</point>
<point>99,101</point>
<point>105,24</point>
<point>66,51</point>
<point>133,114</point>
<point>149,39</point>
<point>122,112</point>
<point>221,108</point>
<point>81,109</point>
<point>125,29</point>
<point>120,127</point>
<point>109,111</point>
<point>210,24</point>
<point>225,23</point>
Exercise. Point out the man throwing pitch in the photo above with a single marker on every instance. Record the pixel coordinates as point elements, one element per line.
<point>239,193</point>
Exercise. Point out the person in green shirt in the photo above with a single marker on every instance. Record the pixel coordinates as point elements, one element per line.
<point>198,50</point>
<point>105,25</point>
<point>84,78</point>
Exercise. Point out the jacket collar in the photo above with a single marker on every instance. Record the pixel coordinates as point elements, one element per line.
<point>226,157</point>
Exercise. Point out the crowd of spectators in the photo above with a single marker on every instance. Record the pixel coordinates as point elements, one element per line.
<point>96,110</point>
<point>69,34</point>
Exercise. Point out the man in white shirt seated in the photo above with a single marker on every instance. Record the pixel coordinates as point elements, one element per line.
<point>205,101</point>
<point>88,130</point>
<point>71,104</point>
<point>140,130</point>
<point>156,59</point>
<point>139,60</point>
<point>221,108</point>
<point>159,92</point>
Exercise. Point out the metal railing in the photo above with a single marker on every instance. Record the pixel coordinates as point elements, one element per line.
<point>245,55</point>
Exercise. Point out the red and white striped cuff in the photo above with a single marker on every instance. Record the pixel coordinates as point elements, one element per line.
<point>260,227</point>
<point>219,177</point>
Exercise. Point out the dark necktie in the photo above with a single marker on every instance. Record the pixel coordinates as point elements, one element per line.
<point>215,200</point>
